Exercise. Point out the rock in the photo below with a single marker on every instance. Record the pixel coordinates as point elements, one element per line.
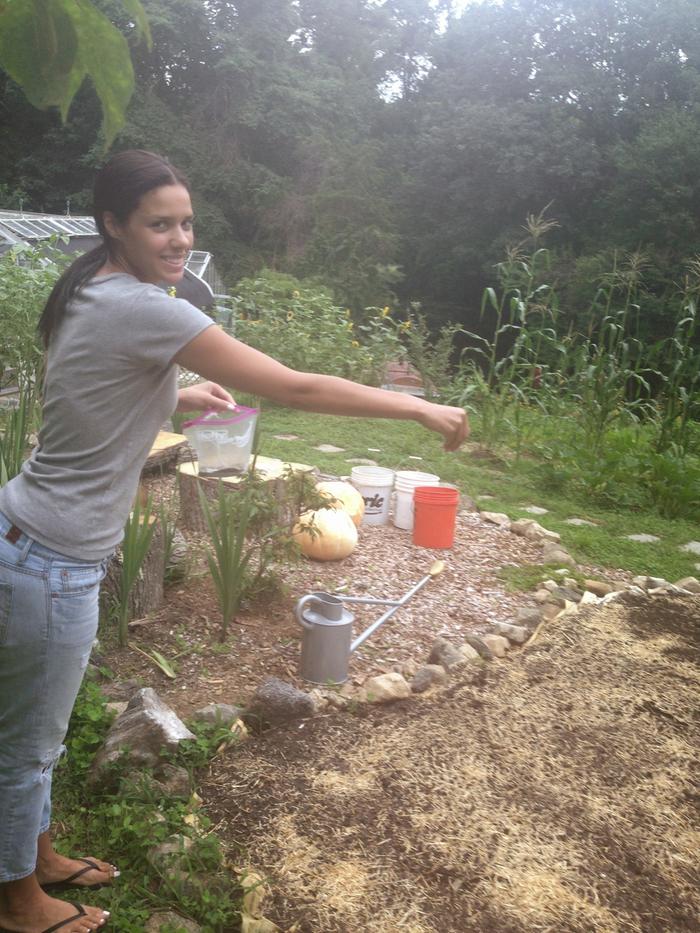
<point>445,653</point>
<point>409,668</point>
<point>598,587</point>
<point>385,688</point>
<point>515,633</point>
<point>589,599</point>
<point>254,893</point>
<point>497,644</point>
<point>643,539</point>
<point>529,618</point>
<point>361,461</point>
<point>692,547</point>
<point>496,518</point>
<point>541,596</point>
<point>320,700</point>
<point>535,510</point>
<point>257,925</point>
<point>649,583</point>
<point>286,437</point>
<point>533,531</point>
<point>550,585</point>
<point>218,714</point>
<point>329,449</point>
<point>571,583</point>
<point>612,597</point>
<point>667,588</point>
<point>467,504</point>
<point>170,857</point>
<point>143,732</point>
<point>479,645</point>
<point>116,707</point>
<point>564,594</point>
<point>551,611</point>
<point>121,691</point>
<point>427,676</point>
<point>276,702</point>
<point>169,920</point>
<point>579,522</point>
<point>634,591</point>
<point>690,584</point>
<point>173,781</point>
<point>553,553</point>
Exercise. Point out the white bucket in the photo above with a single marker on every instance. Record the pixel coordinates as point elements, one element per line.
<point>406,482</point>
<point>374,485</point>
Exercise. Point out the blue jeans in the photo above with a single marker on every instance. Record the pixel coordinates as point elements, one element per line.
<point>48,622</point>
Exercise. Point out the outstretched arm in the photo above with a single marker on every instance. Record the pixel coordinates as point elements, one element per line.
<point>219,357</point>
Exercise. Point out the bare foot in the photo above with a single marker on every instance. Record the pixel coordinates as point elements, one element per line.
<point>43,912</point>
<point>57,868</point>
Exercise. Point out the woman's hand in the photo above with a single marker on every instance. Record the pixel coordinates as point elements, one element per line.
<point>205,396</point>
<point>451,422</point>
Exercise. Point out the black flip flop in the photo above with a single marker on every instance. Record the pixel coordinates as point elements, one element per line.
<point>70,881</point>
<point>79,912</point>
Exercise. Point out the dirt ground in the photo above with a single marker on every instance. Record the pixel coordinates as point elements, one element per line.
<point>555,790</point>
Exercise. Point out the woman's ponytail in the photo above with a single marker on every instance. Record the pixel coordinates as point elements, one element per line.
<point>71,281</point>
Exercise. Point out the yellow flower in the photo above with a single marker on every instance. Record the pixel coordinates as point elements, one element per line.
<point>406,325</point>
<point>290,315</point>
<point>348,312</point>
<point>355,344</point>
<point>386,311</point>
<point>349,325</point>
<point>295,294</point>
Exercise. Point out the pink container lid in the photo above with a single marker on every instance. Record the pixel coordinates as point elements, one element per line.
<point>239,414</point>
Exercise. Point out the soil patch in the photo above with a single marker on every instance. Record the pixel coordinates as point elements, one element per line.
<point>556,790</point>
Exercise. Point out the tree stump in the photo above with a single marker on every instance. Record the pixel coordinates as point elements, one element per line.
<point>168,449</point>
<point>270,470</point>
<point>147,592</point>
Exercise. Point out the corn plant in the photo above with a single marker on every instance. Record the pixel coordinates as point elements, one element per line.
<point>138,534</point>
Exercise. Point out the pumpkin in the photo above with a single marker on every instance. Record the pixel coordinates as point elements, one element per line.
<point>333,537</point>
<point>343,496</point>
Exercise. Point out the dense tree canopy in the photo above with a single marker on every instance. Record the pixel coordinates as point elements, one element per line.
<point>389,146</point>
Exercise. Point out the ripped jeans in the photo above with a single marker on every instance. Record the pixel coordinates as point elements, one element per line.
<point>48,622</point>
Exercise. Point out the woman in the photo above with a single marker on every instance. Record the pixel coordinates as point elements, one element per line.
<point>113,339</point>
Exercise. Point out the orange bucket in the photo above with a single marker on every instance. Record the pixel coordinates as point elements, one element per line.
<point>435,516</point>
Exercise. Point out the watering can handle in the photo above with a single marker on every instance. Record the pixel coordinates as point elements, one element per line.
<point>300,609</point>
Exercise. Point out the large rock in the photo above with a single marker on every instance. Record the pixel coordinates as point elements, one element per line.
<point>529,618</point>
<point>276,702</point>
<point>690,584</point>
<point>516,633</point>
<point>554,553</point>
<point>169,920</point>
<point>445,653</point>
<point>479,645</point>
<point>385,688</point>
<point>143,732</point>
<point>496,518</point>
<point>428,676</point>
<point>598,587</point>
<point>497,644</point>
<point>218,714</point>
<point>533,531</point>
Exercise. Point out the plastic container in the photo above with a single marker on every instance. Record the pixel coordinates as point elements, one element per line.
<point>223,440</point>
<point>406,482</point>
<point>374,485</point>
<point>435,516</point>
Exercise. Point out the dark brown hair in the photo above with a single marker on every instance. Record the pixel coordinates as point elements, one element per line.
<point>119,187</point>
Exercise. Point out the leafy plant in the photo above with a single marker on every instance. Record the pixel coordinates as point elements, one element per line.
<point>138,534</point>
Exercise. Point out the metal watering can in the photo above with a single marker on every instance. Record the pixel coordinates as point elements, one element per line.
<point>327,640</point>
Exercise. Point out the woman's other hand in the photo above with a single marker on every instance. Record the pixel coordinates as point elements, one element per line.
<point>451,422</point>
<point>205,396</point>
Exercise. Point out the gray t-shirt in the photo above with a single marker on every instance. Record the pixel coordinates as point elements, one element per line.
<point>110,385</point>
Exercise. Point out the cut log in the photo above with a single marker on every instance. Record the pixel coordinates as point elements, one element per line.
<point>147,592</point>
<point>167,451</point>
<point>269,469</point>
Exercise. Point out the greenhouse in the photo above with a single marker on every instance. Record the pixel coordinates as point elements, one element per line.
<point>78,234</point>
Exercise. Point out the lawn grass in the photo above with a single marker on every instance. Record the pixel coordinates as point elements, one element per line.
<point>513,486</point>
